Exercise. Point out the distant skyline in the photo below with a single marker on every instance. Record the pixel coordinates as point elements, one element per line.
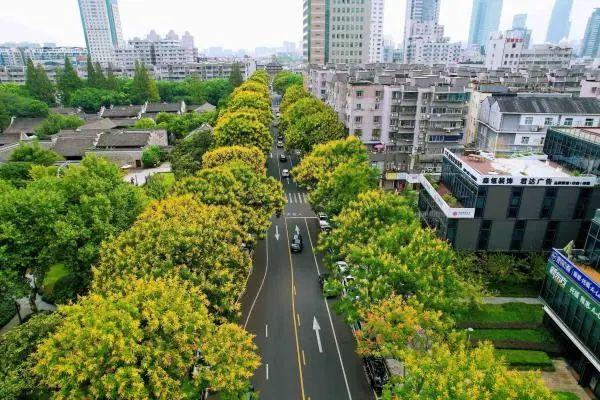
<point>242,24</point>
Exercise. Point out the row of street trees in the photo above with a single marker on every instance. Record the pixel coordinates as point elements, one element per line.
<point>407,287</point>
<point>158,321</point>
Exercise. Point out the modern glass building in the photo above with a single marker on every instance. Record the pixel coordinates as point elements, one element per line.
<point>592,243</point>
<point>560,21</point>
<point>571,296</point>
<point>577,149</point>
<point>485,19</point>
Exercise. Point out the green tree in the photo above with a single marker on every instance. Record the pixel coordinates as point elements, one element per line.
<point>342,185</point>
<point>242,128</point>
<point>292,94</point>
<point>303,108</point>
<point>236,78</point>
<point>4,118</point>
<point>17,346</point>
<point>254,87</point>
<point>251,156</point>
<point>68,81</point>
<point>186,156</point>
<point>92,99</point>
<point>284,79</point>
<point>112,83</point>
<point>145,123</point>
<point>100,79</point>
<point>162,330</point>
<point>173,91</point>
<point>21,106</point>
<point>91,73</point>
<point>35,154</point>
<point>260,76</point>
<point>326,157</point>
<point>152,156</point>
<point>181,125</point>
<point>313,129</point>
<point>180,236</point>
<point>213,90</point>
<point>143,87</point>
<point>159,185</point>
<point>16,173</point>
<point>38,84</point>
<point>452,372</point>
<point>55,123</point>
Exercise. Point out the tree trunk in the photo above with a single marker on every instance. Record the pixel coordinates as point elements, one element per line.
<point>18,308</point>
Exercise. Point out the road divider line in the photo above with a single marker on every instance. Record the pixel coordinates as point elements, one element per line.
<point>298,315</point>
<point>294,290</point>
<point>329,315</point>
<point>287,235</point>
<point>261,283</point>
<point>303,359</point>
<point>267,370</point>
<point>266,330</point>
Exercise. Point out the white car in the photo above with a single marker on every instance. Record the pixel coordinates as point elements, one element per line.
<point>279,144</point>
<point>285,173</point>
<point>324,222</point>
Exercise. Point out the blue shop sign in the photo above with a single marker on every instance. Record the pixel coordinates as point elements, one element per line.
<point>584,281</point>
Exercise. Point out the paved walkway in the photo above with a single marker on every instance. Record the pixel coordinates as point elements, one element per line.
<point>26,310</point>
<point>563,380</point>
<point>139,177</point>
<point>504,300</point>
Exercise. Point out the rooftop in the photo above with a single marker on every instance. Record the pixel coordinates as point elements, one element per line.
<point>548,105</point>
<point>591,135</point>
<point>526,166</point>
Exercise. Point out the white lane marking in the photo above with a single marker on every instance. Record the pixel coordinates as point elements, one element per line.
<point>277,232</point>
<point>290,198</point>
<point>329,315</point>
<point>266,330</point>
<point>261,283</point>
<point>303,358</point>
<point>298,315</point>
<point>317,328</point>
<point>267,367</point>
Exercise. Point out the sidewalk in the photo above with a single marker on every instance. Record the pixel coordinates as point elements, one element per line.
<point>139,177</point>
<point>563,380</point>
<point>504,300</point>
<point>26,310</point>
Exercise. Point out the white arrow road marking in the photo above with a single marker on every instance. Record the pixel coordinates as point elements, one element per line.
<point>277,232</point>
<point>297,230</point>
<point>267,366</point>
<point>317,328</point>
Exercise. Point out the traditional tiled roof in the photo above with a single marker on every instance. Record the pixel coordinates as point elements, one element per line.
<point>25,125</point>
<point>123,140</point>
<point>548,105</point>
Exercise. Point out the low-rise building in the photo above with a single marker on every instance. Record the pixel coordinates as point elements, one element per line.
<point>577,149</point>
<point>510,124</point>
<point>517,204</point>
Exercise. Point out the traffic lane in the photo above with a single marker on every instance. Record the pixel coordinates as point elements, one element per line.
<point>322,371</point>
<point>271,322</point>
<point>353,365</point>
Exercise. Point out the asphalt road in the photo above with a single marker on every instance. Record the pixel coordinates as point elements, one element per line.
<point>307,351</point>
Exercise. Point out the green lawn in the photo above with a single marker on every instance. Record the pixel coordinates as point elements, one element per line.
<point>566,396</point>
<point>526,289</point>
<point>523,335</point>
<point>527,359</point>
<point>55,272</point>
<point>495,314</point>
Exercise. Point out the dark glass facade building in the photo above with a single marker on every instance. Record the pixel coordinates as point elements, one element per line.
<point>572,312</point>
<point>577,149</point>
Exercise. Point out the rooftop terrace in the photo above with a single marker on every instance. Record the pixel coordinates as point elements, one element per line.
<point>518,166</point>
<point>591,135</point>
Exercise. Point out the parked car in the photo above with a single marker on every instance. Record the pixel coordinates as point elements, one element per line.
<point>324,222</point>
<point>330,287</point>
<point>280,144</point>
<point>377,372</point>
<point>296,243</point>
<point>342,267</point>
<point>285,173</point>
<point>282,157</point>
<point>279,136</point>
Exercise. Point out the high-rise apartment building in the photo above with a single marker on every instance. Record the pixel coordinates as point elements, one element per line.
<point>102,28</point>
<point>591,41</point>
<point>485,19</point>
<point>343,31</point>
<point>424,41</point>
<point>560,21</point>
<point>519,30</point>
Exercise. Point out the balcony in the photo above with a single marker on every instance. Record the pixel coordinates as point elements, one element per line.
<point>444,200</point>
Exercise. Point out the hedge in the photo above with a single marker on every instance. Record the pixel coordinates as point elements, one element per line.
<point>7,311</point>
<point>527,359</point>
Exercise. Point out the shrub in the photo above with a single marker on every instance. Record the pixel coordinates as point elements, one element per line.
<point>7,311</point>
<point>65,289</point>
<point>527,359</point>
<point>152,156</point>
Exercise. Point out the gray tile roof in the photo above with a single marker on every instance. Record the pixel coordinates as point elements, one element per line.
<point>25,125</point>
<point>122,112</point>
<point>105,123</point>
<point>123,122</point>
<point>64,110</point>
<point>10,138</point>
<point>163,107</point>
<point>201,108</point>
<point>548,105</point>
<point>123,140</point>
<point>74,146</point>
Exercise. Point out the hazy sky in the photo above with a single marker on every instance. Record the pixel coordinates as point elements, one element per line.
<point>246,23</point>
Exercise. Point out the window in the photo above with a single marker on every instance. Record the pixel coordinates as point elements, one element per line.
<point>376,134</point>
<point>359,93</point>
<point>582,203</point>
<point>528,120</point>
<point>548,121</point>
<point>484,234</point>
<point>589,122</point>
<point>358,120</point>
<point>550,235</point>
<point>377,119</point>
<point>525,140</point>
<point>359,106</point>
<point>568,121</point>
<point>548,202</point>
<point>379,94</point>
<point>480,201</point>
<point>451,231</point>
<point>515,202</point>
<point>518,234</point>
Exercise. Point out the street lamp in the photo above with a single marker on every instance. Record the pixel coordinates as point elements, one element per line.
<point>469,331</point>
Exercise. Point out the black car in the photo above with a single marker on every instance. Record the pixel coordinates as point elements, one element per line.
<point>322,278</point>
<point>296,243</point>
<point>280,137</point>
<point>377,372</point>
<point>282,157</point>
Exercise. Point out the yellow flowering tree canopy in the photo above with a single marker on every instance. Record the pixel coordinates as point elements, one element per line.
<point>455,372</point>
<point>244,129</point>
<point>156,341</point>
<point>180,236</point>
<point>292,95</point>
<point>220,156</point>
